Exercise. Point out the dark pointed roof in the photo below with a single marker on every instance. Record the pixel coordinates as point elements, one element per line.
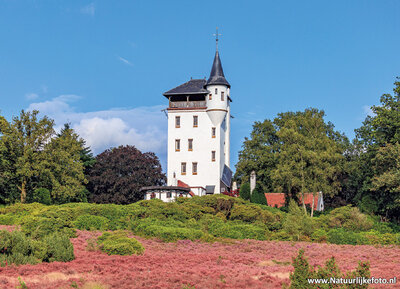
<point>193,86</point>
<point>217,73</point>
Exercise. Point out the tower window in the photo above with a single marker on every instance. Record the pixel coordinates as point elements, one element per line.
<point>216,91</point>
<point>177,145</point>
<point>183,168</point>
<point>169,194</point>
<point>190,144</point>
<point>213,156</point>
<point>210,96</point>
<point>177,121</point>
<point>195,121</point>
<point>213,132</point>
<point>194,168</point>
<point>222,96</point>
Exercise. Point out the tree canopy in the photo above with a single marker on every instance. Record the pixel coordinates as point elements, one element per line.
<point>295,153</point>
<point>119,173</point>
<point>32,156</point>
<point>376,163</point>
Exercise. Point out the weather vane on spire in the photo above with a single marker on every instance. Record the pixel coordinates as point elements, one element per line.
<point>216,38</point>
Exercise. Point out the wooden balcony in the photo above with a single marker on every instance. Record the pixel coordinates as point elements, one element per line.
<point>187,104</point>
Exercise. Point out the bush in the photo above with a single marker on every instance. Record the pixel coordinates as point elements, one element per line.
<point>303,271</point>
<point>41,195</point>
<point>319,236</point>
<point>349,218</point>
<point>38,227</point>
<point>342,237</point>
<point>171,234</point>
<point>244,191</point>
<point>89,222</point>
<point>254,213</point>
<point>118,243</point>
<point>258,196</point>
<point>17,248</point>
<point>297,223</point>
<point>7,220</point>
<point>58,248</point>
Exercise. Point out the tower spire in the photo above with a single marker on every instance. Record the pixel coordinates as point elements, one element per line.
<point>216,38</point>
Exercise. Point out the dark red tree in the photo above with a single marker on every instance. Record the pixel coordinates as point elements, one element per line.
<point>119,173</point>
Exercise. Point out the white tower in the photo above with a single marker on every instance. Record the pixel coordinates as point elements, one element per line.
<point>199,133</point>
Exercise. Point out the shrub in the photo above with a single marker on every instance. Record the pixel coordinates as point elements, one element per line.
<point>341,237</point>
<point>17,248</point>
<point>303,271</point>
<point>171,234</point>
<point>38,227</point>
<point>245,212</point>
<point>252,213</point>
<point>319,236</point>
<point>258,196</point>
<point>58,248</point>
<point>41,195</point>
<point>244,191</point>
<point>297,223</point>
<point>349,218</point>
<point>90,222</point>
<point>118,243</point>
<point>7,220</point>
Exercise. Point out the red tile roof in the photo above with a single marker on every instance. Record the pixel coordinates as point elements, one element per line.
<point>278,199</point>
<point>185,185</point>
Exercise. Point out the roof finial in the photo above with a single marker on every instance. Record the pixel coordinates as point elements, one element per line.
<point>216,38</point>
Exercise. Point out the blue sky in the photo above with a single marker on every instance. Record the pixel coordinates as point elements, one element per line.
<point>103,65</point>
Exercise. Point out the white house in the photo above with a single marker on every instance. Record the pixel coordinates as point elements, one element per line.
<point>199,133</point>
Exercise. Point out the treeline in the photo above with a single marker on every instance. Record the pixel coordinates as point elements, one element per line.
<point>39,165</point>
<point>299,152</point>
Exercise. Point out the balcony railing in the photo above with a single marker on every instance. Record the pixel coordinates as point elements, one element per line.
<point>187,104</point>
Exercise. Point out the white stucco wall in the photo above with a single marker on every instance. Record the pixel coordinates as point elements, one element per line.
<point>208,172</point>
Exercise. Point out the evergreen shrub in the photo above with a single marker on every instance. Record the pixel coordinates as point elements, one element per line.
<point>18,248</point>
<point>90,222</point>
<point>118,243</point>
<point>244,191</point>
<point>303,271</point>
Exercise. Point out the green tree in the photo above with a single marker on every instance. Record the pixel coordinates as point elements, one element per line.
<point>297,152</point>
<point>244,191</point>
<point>33,157</point>
<point>376,165</point>
<point>259,153</point>
<point>386,180</point>
<point>24,141</point>
<point>258,196</point>
<point>66,166</point>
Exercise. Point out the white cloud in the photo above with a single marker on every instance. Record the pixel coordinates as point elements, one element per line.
<point>89,9</point>
<point>126,61</point>
<point>143,127</point>
<point>31,96</point>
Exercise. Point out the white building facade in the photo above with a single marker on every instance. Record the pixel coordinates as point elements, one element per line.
<point>199,133</point>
